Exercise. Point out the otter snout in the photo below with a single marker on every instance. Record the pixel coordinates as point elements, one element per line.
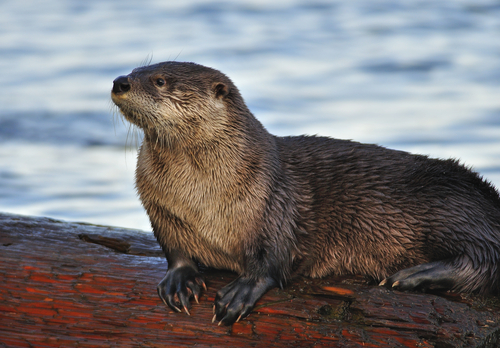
<point>121,85</point>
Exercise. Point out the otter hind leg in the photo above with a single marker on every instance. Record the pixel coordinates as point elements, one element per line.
<point>434,275</point>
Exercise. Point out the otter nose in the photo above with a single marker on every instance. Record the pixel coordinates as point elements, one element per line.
<point>121,85</point>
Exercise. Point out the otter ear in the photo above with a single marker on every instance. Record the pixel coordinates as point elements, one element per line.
<point>220,89</point>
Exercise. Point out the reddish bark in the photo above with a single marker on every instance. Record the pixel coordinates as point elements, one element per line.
<point>68,284</point>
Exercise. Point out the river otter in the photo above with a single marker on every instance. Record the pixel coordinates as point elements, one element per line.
<point>219,189</point>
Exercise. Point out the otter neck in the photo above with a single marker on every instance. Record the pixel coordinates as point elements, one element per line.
<point>230,145</point>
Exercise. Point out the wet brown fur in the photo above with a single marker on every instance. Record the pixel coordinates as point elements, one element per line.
<point>219,187</point>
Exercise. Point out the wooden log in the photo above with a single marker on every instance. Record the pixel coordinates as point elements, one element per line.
<point>73,284</point>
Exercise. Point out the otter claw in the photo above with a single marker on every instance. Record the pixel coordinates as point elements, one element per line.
<point>165,302</point>
<point>213,319</point>
<point>178,285</point>
<point>236,300</point>
<point>383,282</point>
<point>395,284</point>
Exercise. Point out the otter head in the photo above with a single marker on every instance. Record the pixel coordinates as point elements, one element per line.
<point>177,102</point>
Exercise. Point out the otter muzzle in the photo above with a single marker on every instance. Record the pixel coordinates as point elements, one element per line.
<point>121,85</point>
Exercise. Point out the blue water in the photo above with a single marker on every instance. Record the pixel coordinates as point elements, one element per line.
<point>421,76</point>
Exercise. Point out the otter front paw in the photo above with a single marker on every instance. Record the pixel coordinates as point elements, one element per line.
<point>236,300</point>
<point>178,285</point>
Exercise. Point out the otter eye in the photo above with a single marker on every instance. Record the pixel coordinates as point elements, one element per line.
<point>160,82</point>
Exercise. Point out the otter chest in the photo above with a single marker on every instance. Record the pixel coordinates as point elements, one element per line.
<point>199,199</point>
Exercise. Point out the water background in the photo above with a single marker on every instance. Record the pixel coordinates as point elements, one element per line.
<point>421,76</point>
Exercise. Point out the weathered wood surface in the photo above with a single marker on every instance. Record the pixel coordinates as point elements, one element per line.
<point>67,284</point>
